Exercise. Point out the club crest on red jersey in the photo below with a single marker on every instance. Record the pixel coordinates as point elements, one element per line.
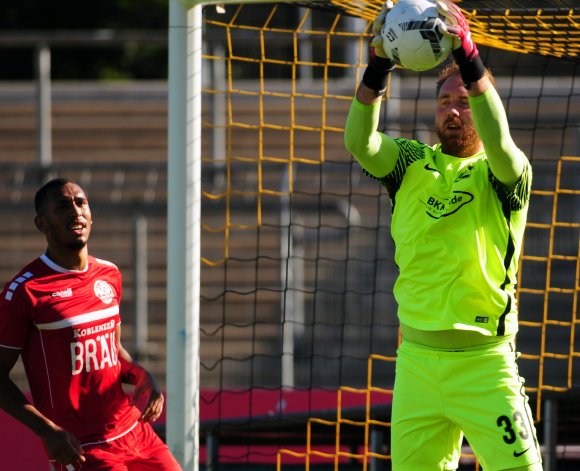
<point>103,291</point>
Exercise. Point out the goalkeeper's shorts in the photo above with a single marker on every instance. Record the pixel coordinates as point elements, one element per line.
<point>441,395</point>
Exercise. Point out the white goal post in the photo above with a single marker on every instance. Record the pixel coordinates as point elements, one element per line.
<point>183,233</point>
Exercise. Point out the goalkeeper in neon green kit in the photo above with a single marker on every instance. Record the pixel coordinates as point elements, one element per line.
<point>458,214</point>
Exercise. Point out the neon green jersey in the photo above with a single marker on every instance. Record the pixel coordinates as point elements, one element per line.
<point>458,234</point>
<point>457,229</point>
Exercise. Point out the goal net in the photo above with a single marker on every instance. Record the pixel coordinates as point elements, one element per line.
<point>297,268</point>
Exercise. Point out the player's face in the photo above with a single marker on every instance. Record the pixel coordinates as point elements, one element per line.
<point>66,218</point>
<point>453,120</point>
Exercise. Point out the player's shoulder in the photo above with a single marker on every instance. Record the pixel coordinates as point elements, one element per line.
<point>29,272</point>
<point>102,263</point>
<point>412,150</point>
<point>34,269</point>
<point>102,270</point>
<point>411,143</point>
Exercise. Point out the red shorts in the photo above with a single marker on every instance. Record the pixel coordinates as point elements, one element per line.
<point>141,449</point>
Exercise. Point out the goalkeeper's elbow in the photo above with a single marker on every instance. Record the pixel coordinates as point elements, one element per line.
<point>507,167</point>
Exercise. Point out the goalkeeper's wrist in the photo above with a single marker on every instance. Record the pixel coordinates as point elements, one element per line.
<point>376,73</point>
<point>471,70</point>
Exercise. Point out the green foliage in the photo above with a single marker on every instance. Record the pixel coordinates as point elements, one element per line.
<point>128,61</point>
<point>75,14</point>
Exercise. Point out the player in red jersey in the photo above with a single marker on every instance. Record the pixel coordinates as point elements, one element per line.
<point>61,313</point>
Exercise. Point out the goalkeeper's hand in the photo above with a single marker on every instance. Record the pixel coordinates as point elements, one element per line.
<point>377,41</point>
<point>456,27</point>
<point>380,64</point>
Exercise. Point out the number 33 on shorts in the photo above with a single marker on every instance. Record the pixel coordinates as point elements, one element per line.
<point>514,428</point>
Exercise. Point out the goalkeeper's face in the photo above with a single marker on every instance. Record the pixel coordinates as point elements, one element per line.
<point>454,121</point>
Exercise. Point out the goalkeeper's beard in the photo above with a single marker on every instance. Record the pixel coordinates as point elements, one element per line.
<point>463,144</point>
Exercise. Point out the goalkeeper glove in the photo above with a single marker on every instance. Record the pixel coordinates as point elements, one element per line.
<point>380,64</point>
<point>465,51</point>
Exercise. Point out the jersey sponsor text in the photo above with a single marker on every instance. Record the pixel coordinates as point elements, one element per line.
<point>94,354</point>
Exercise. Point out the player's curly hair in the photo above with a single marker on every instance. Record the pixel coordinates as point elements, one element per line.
<point>453,69</point>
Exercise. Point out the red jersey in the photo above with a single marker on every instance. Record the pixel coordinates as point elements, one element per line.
<point>64,323</point>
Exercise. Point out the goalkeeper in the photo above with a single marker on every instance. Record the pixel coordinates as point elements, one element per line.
<point>458,214</point>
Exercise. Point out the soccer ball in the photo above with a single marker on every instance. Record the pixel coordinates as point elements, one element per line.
<point>411,36</point>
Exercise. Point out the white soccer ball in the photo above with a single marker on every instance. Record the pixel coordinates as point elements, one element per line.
<point>411,36</point>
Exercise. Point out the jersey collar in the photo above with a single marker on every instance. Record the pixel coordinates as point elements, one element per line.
<point>48,262</point>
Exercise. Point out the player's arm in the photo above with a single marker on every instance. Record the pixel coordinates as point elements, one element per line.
<point>144,382</point>
<point>506,161</point>
<point>61,446</point>
<point>376,152</point>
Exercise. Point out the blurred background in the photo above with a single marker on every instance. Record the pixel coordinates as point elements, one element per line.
<point>298,320</point>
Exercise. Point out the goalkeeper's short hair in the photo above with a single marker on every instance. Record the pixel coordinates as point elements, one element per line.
<point>453,69</point>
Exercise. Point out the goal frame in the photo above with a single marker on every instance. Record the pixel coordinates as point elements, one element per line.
<point>184,207</point>
<point>185,45</point>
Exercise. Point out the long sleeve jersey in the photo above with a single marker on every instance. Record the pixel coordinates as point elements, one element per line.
<point>457,229</point>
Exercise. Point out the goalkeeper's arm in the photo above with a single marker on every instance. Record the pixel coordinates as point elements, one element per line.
<point>376,152</point>
<point>506,161</point>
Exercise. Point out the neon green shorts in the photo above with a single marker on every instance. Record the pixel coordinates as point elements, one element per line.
<point>441,395</point>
